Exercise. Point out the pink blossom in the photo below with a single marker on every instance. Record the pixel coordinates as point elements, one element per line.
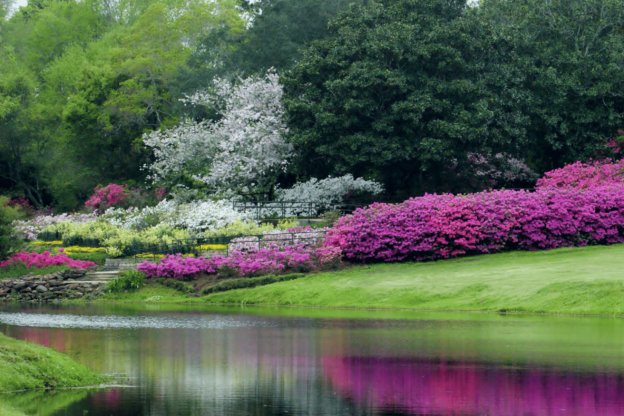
<point>45,259</point>
<point>108,196</point>
<point>256,262</point>
<point>584,175</point>
<point>443,226</point>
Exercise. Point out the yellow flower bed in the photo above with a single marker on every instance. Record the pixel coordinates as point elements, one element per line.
<point>47,243</point>
<point>157,256</point>
<point>77,249</point>
<point>205,247</point>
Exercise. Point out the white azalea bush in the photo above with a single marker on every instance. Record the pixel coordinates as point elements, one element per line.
<point>196,217</point>
<point>329,191</point>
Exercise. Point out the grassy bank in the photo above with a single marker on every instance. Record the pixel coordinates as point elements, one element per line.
<point>26,366</point>
<point>20,269</point>
<point>588,280</point>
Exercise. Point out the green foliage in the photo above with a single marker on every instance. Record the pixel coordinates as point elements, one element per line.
<point>6,217</point>
<point>402,91</point>
<point>280,32</point>
<point>18,270</point>
<point>242,283</point>
<point>130,280</point>
<point>175,284</point>
<point>251,228</point>
<point>330,217</point>
<point>97,257</point>
<point>27,366</point>
<point>80,82</point>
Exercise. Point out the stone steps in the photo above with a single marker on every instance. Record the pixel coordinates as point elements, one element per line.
<point>102,276</point>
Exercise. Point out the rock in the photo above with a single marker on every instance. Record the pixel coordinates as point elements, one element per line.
<point>18,285</point>
<point>79,294</point>
<point>26,290</point>
<point>41,289</point>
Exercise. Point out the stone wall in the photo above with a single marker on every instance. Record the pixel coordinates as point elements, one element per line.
<point>49,288</point>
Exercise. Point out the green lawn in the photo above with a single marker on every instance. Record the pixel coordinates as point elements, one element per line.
<point>27,366</point>
<point>587,280</point>
<point>19,269</point>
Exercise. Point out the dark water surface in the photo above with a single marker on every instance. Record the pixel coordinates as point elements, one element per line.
<point>193,360</point>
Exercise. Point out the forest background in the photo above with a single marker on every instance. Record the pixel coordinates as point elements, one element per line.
<point>421,96</point>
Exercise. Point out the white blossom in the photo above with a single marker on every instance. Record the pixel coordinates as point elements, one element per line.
<point>329,191</point>
<point>244,151</point>
<point>196,217</point>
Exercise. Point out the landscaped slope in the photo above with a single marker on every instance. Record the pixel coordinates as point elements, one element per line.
<point>26,366</point>
<point>587,280</point>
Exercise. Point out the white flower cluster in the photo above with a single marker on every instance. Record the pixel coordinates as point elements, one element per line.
<point>196,217</point>
<point>30,229</point>
<point>330,191</point>
<point>244,151</point>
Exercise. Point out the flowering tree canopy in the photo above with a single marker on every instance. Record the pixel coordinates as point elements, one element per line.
<point>242,152</point>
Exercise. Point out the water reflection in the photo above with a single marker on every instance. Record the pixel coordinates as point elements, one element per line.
<point>223,362</point>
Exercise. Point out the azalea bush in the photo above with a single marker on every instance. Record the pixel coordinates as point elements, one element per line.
<point>45,259</point>
<point>196,217</point>
<point>581,175</point>
<point>442,226</point>
<point>258,262</point>
<point>113,195</point>
<point>329,191</point>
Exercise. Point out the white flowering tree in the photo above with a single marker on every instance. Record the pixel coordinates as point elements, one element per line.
<point>243,152</point>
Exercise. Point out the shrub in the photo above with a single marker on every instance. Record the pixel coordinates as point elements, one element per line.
<point>584,175</point>
<point>5,234</point>
<point>254,263</point>
<point>175,284</point>
<point>442,226</point>
<point>45,259</point>
<point>248,283</point>
<point>130,280</point>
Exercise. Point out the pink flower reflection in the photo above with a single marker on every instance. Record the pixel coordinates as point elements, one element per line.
<point>468,389</point>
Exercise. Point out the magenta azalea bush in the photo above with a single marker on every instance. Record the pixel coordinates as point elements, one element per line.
<point>443,226</point>
<point>581,175</point>
<point>107,196</point>
<point>45,259</point>
<point>258,262</point>
<point>113,195</point>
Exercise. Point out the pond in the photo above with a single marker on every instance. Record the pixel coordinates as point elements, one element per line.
<point>190,360</point>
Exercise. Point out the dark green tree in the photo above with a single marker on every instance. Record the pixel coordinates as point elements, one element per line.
<point>401,91</point>
<point>568,57</point>
<point>278,33</point>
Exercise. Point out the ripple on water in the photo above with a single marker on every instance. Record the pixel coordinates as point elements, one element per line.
<point>43,320</point>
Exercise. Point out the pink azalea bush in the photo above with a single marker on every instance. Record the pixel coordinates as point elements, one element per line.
<point>113,195</point>
<point>258,262</point>
<point>443,226</point>
<point>45,259</point>
<point>581,175</point>
<point>108,196</point>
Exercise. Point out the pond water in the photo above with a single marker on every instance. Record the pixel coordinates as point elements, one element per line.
<point>190,360</point>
